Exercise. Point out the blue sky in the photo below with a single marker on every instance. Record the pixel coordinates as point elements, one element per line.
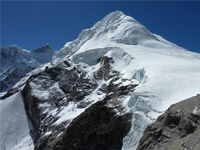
<point>33,24</point>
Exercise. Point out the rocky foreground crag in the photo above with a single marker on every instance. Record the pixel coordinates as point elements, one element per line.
<point>177,129</point>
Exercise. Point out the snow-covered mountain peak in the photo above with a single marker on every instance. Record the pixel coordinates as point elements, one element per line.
<point>11,51</point>
<point>115,18</point>
<point>114,28</point>
<point>110,19</point>
<point>117,30</point>
<point>16,62</point>
<point>121,28</point>
<point>12,47</point>
<point>114,14</point>
<point>119,64</point>
<point>166,73</point>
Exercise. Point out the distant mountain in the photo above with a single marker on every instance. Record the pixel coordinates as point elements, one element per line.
<point>101,90</point>
<point>16,62</point>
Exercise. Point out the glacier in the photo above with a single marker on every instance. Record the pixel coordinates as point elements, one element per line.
<point>163,72</point>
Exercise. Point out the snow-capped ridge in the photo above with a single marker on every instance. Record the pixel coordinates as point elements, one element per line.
<point>111,19</point>
<point>12,47</point>
<point>16,62</point>
<point>120,29</point>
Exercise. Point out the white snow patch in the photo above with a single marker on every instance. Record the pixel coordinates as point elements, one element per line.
<point>44,104</point>
<point>68,113</point>
<point>38,92</point>
<point>196,111</point>
<point>48,133</point>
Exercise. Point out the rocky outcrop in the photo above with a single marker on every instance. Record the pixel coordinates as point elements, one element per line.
<point>60,87</point>
<point>178,128</point>
<point>67,88</point>
<point>98,128</point>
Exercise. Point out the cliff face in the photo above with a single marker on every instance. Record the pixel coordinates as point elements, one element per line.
<point>98,128</point>
<point>49,95</point>
<point>178,128</point>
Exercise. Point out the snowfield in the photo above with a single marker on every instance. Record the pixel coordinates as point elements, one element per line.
<point>15,125</point>
<point>165,72</point>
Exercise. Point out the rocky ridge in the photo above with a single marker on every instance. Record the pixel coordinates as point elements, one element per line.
<point>178,128</point>
<point>49,93</point>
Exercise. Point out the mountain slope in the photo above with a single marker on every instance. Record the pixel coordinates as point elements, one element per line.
<point>16,62</point>
<point>178,128</point>
<point>117,65</point>
<point>167,73</point>
<point>15,125</point>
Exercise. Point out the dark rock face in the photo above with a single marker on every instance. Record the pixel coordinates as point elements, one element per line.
<point>104,71</point>
<point>43,49</point>
<point>103,125</point>
<point>75,85</point>
<point>178,128</point>
<point>98,128</point>
<point>9,93</point>
<point>46,81</point>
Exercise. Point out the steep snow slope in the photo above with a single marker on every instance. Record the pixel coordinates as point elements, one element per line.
<point>15,125</point>
<point>16,62</point>
<point>167,73</point>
